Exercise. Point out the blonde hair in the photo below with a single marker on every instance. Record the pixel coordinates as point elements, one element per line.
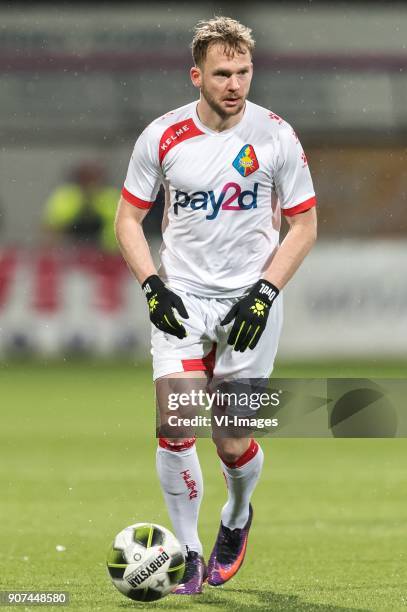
<point>234,36</point>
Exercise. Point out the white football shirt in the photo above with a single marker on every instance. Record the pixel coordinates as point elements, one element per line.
<point>224,193</point>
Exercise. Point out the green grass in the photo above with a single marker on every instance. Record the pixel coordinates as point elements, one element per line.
<point>78,464</point>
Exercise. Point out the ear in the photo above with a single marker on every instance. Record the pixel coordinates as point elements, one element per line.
<point>196,76</point>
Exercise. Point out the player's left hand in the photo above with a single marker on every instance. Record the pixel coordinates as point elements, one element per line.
<point>250,314</point>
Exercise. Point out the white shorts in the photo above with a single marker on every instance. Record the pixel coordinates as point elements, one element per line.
<point>205,348</point>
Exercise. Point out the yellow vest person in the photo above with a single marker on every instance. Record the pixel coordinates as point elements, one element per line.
<point>83,211</point>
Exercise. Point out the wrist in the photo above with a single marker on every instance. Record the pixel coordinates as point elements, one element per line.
<point>152,284</point>
<point>266,290</point>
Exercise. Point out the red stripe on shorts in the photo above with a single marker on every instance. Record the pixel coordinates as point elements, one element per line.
<point>203,364</point>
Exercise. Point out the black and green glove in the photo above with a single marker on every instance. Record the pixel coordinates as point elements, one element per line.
<point>250,314</point>
<point>161,302</point>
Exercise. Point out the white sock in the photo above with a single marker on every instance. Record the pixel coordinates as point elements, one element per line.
<point>241,481</point>
<point>182,485</point>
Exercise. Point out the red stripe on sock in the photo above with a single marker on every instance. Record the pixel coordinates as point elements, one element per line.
<point>176,447</point>
<point>245,458</point>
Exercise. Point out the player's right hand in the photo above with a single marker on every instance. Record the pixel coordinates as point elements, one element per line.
<point>161,302</point>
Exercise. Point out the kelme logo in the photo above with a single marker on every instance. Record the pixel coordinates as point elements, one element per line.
<point>246,161</point>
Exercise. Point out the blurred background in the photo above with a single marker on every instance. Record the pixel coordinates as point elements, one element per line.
<point>78,83</point>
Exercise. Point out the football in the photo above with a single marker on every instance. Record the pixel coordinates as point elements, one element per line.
<point>145,562</point>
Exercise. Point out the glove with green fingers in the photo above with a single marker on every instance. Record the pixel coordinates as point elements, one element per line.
<point>161,302</point>
<point>250,314</point>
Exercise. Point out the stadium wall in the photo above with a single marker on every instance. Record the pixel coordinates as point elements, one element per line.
<point>347,300</point>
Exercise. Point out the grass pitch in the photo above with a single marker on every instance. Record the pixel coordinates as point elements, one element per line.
<point>78,464</point>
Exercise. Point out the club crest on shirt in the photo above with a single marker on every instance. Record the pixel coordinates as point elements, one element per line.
<point>246,161</point>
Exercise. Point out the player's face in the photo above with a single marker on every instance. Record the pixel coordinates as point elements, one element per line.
<point>224,80</point>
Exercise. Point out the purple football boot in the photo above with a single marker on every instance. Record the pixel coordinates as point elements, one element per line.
<point>228,553</point>
<point>194,576</point>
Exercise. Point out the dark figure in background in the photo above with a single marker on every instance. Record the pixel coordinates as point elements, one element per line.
<point>81,211</point>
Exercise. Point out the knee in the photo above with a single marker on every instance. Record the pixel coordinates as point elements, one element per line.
<point>231,449</point>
